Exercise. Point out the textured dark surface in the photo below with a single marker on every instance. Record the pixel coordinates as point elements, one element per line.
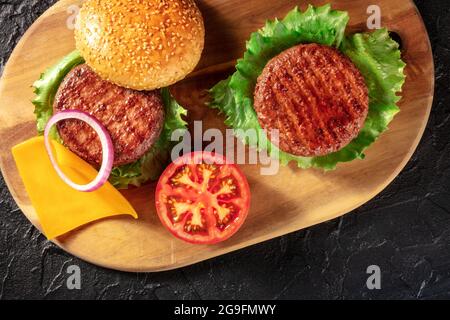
<point>405,230</point>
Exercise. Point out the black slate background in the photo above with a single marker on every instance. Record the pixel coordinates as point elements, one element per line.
<point>405,230</point>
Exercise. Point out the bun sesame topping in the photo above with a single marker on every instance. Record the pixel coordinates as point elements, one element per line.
<point>140,44</point>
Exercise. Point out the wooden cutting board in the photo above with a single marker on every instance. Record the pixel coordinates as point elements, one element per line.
<point>292,200</point>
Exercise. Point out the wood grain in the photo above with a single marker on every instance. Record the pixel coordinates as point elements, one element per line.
<point>292,200</point>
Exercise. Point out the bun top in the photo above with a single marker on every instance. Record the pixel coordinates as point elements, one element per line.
<point>140,44</point>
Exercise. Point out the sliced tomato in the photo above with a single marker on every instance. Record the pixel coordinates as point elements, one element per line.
<point>202,199</point>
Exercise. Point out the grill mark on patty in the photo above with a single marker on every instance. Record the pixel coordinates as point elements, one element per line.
<point>108,97</point>
<point>305,102</point>
<point>134,119</point>
<point>339,77</point>
<point>358,89</point>
<point>354,91</point>
<point>323,96</point>
<point>312,89</point>
<point>327,97</point>
<point>289,117</point>
<point>331,133</point>
<point>278,120</point>
<point>121,116</point>
<point>336,79</point>
<point>311,86</point>
<point>295,116</point>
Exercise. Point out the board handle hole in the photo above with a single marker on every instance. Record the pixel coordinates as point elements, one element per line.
<point>396,37</point>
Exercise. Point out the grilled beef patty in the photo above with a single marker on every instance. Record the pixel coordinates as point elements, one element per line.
<point>134,119</point>
<point>315,96</point>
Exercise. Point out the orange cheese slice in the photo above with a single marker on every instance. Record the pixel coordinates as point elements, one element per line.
<point>59,207</point>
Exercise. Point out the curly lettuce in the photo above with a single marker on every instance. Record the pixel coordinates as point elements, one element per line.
<point>46,87</point>
<point>151,165</point>
<point>375,54</point>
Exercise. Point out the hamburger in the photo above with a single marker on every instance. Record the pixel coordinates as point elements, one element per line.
<point>327,96</point>
<point>127,53</point>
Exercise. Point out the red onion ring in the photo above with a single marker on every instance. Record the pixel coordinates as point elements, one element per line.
<point>107,149</point>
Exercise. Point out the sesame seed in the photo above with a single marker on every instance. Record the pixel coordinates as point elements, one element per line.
<point>134,30</point>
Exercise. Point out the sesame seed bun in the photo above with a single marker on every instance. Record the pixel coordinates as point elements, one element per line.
<point>140,44</point>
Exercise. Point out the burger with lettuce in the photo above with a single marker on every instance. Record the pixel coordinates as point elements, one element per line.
<point>127,54</point>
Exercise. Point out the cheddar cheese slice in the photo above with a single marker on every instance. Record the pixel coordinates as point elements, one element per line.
<point>59,207</point>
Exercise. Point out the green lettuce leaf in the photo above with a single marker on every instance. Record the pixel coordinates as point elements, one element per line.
<point>375,54</point>
<point>151,165</point>
<point>46,87</point>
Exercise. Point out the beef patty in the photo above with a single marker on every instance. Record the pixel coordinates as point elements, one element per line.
<point>133,119</point>
<point>315,96</point>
